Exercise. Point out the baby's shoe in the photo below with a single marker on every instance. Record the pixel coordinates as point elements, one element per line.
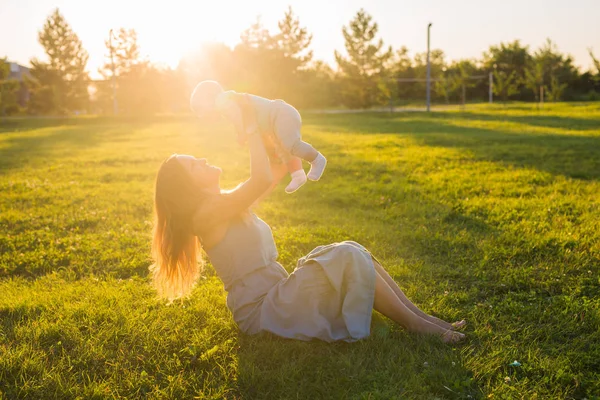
<point>298,179</point>
<point>317,166</point>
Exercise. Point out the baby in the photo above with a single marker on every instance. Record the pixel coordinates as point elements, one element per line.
<point>278,123</point>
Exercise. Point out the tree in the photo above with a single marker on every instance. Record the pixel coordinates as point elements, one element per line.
<point>556,89</point>
<point>262,67</point>
<point>125,50</point>
<point>214,61</point>
<point>8,90</point>
<point>507,58</point>
<point>293,40</point>
<point>589,82</point>
<point>505,85</point>
<point>460,73</point>
<point>401,68</point>
<point>554,63</point>
<point>442,87</point>
<point>59,85</point>
<point>364,70</point>
<point>318,86</point>
<point>437,61</point>
<point>534,78</point>
<point>596,64</point>
<point>257,36</point>
<point>138,82</point>
<point>125,54</point>
<point>293,59</point>
<point>47,90</point>
<point>274,65</point>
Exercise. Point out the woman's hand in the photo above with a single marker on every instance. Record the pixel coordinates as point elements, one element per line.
<point>278,171</point>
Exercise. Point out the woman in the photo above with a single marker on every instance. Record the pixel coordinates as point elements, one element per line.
<point>329,296</point>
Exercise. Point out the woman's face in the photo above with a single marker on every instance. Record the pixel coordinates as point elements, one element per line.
<point>203,174</point>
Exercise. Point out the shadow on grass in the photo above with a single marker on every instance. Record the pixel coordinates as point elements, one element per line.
<point>25,124</point>
<point>21,125</point>
<point>391,362</point>
<point>574,156</point>
<point>26,147</point>
<point>515,274</point>
<point>545,121</point>
<point>378,367</point>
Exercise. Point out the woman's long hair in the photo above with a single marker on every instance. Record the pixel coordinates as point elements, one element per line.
<point>175,249</point>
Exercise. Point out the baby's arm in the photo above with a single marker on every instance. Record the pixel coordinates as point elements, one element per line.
<point>233,112</point>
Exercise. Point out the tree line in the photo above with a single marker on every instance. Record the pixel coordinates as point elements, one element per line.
<point>281,65</point>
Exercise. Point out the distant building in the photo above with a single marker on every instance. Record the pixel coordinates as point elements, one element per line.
<point>20,73</point>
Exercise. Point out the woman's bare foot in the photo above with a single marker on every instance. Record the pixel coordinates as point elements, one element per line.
<point>451,336</point>
<point>447,335</point>
<point>459,324</point>
<point>446,325</point>
<point>439,322</point>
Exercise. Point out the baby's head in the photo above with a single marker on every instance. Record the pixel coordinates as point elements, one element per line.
<point>204,97</point>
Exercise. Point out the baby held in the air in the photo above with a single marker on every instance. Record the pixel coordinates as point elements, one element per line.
<point>278,123</point>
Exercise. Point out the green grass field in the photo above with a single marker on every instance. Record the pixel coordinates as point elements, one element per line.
<point>492,215</point>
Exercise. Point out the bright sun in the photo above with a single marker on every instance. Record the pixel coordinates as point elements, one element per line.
<point>177,34</point>
<point>167,31</point>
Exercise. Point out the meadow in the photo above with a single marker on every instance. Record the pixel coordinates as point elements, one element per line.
<point>490,214</point>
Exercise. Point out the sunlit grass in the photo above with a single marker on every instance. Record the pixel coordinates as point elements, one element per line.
<point>490,214</point>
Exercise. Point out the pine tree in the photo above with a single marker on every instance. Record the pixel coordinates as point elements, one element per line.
<point>292,60</point>
<point>293,41</point>
<point>274,65</point>
<point>363,71</point>
<point>59,85</point>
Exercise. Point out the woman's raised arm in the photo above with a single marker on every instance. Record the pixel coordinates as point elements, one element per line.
<point>241,198</point>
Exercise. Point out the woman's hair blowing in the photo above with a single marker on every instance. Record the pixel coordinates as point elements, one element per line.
<point>175,248</point>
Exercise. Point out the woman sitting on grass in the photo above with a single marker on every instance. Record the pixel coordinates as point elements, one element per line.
<point>329,296</point>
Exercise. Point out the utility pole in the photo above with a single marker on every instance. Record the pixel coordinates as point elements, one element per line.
<point>428,68</point>
<point>114,83</point>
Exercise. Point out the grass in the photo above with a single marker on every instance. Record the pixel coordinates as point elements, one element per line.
<point>492,214</point>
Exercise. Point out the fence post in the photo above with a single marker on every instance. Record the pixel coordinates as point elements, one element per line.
<point>428,69</point>
<point>491,88</point>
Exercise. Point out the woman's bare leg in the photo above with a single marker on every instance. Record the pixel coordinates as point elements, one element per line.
<point>394,286</point>
<point>387,303</point>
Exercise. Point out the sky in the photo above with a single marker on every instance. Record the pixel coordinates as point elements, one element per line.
<point>169,29</point>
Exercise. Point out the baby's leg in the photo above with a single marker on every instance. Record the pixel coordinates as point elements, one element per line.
<point>287,129</point>
<point>294,166</point>
<point>304,150</point>
<point>317,160</point>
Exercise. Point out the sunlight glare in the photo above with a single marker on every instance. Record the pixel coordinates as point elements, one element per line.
<point>182,32</point>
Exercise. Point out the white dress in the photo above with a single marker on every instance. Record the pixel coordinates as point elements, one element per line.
<point>329,296</point>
